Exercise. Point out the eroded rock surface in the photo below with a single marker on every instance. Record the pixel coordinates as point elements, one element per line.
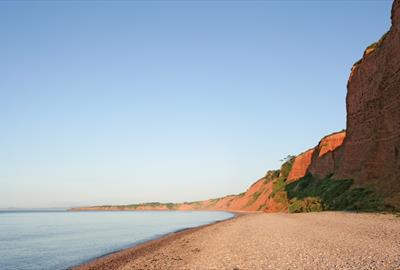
<point>371,152</point>
<point>301,165</point>
<point>327,155</point>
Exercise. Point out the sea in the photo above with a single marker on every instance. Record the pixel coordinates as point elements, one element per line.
<point>51,240</point>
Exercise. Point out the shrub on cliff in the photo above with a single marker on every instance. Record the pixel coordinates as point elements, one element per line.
<point>279,181</point>
<point>170,206</point>
<point>333,194</point>
<point>281,197</point>
<point>378,43</point>
<point>308,204</point>
<point>278,186</point>
<point>241,194</point>
<point>280,177</point>
<point>271,175</point>
<point>253,198</point>
<point>287,166</point>
<point>372,47</point>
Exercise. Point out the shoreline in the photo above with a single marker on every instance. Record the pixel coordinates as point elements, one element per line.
<point>261,241</point>
<point>115,259</point>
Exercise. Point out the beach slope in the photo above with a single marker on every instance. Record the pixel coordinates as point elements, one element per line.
<point>327,240</point>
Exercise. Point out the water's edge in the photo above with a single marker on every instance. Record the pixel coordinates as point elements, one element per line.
<point>154,239</point>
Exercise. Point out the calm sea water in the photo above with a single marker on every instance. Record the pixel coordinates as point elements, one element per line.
<point>58,240</point>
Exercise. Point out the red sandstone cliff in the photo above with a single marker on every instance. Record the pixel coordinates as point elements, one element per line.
<point>327,155</point>
<point>321,161</point>
<point>301,165</point>
<point>371,152</point>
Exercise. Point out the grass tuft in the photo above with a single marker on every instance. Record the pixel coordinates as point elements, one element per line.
<point>253,198</point>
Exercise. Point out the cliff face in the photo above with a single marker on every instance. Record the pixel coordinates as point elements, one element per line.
<point>301,165</point>
<point>321,161</point>
<point>371,152</point>
<point>327,155</point>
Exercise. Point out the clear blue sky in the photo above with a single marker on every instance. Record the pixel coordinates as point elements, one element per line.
<point>132,101</point>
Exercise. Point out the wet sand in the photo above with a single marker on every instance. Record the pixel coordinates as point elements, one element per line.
<point>327,240</point>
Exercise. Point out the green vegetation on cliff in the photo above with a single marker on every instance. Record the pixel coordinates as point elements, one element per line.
<point>310,194</point>
<point>373,47</point>
<point>308,204</point>
<point>286,166</point>
<point>253,198</point>
<point>170,206</point>
<point>378,43</point>
<point>278,187</point>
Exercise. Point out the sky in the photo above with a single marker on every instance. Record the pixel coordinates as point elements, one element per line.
<point>115,102</point>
